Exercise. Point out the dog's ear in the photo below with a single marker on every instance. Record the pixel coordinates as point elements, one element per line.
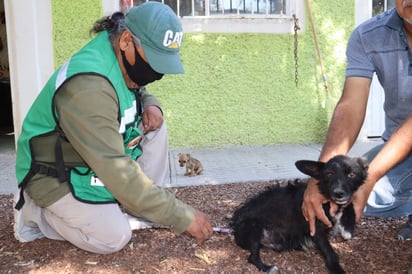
<point>363,162</point>
<point>311,168</point>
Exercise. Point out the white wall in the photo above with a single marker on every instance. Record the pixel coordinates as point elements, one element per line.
<point>374,123</point>
<point>110,6</point>
<point>30,49</point>
<point>363,10</point>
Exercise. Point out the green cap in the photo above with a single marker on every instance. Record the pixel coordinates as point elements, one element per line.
<point>160,33</point>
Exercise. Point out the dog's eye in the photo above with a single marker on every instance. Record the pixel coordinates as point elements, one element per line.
<point>328,174</point>
<point>351,174</point>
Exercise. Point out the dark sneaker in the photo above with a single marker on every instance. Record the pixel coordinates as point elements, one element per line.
<point>406,231</point>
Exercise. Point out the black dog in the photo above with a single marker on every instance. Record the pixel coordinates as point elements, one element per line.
<point>273,218</point>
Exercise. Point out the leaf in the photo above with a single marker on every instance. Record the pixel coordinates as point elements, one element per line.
<point>203,256</point>
<point>24,263</point>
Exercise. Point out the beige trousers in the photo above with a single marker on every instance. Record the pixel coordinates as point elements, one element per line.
<point>154,160</point>
<point>98,228</point>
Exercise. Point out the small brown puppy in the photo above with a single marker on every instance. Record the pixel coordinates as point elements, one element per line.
<point>193,166</point>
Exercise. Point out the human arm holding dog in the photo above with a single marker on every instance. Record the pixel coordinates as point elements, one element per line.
<point>344,128</point>
<point>397,148</point>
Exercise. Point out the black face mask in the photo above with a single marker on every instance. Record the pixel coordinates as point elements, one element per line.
<point>141,72</point>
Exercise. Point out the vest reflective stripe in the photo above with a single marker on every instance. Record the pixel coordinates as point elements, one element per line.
<point>61,75</point>
<point>129,116</point>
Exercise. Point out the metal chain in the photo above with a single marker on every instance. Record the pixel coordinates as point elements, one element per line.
<point>295,47</point>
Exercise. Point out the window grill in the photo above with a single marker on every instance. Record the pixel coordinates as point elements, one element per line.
<point>225,8</point>
<point>379,6</point>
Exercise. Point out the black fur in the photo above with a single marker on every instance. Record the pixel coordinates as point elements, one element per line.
<point>273,218</point>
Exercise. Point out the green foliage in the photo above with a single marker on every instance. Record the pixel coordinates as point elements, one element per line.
<point>72,21</point>
<point>239,88</point>
<point>241,91</point>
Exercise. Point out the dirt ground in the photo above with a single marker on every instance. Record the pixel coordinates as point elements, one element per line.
<point>374,248</point>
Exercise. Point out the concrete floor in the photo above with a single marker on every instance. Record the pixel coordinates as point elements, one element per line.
<point>232,164</point>
<point>229,164</point>
<point>8,182</point>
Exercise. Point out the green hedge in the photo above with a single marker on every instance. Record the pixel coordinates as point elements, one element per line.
<point>239,88</point>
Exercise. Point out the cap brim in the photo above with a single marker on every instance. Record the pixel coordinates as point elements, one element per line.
<point>163,63</point>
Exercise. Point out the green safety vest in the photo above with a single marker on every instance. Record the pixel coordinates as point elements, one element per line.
<point>98,58</point>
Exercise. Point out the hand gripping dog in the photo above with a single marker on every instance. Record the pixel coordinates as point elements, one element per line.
<point>273,219</point>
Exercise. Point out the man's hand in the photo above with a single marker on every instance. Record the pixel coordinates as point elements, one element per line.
<point>312,206</point>
<point>201,227</point>
<point>360,198</point>
<point>152,118</point>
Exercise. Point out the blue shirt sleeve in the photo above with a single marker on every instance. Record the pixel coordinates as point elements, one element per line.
<point>358,62</point>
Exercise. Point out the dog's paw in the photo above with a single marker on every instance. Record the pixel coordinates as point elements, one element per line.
<point>339,229</point>
<point>345,234</point>
<point>273,270</point>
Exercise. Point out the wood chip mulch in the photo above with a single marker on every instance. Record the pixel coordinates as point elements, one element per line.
<point>374,248</point>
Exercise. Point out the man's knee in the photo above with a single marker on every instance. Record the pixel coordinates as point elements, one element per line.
<point>118,242</point>
<point>114,241</point>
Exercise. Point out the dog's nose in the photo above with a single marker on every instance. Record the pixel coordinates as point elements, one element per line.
<point>338,193</point>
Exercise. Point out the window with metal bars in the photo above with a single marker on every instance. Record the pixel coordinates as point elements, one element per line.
<point>379,6</point>
<point>225,8</point>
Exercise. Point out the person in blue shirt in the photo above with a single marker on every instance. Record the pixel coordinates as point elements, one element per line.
<point>381,45</point>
